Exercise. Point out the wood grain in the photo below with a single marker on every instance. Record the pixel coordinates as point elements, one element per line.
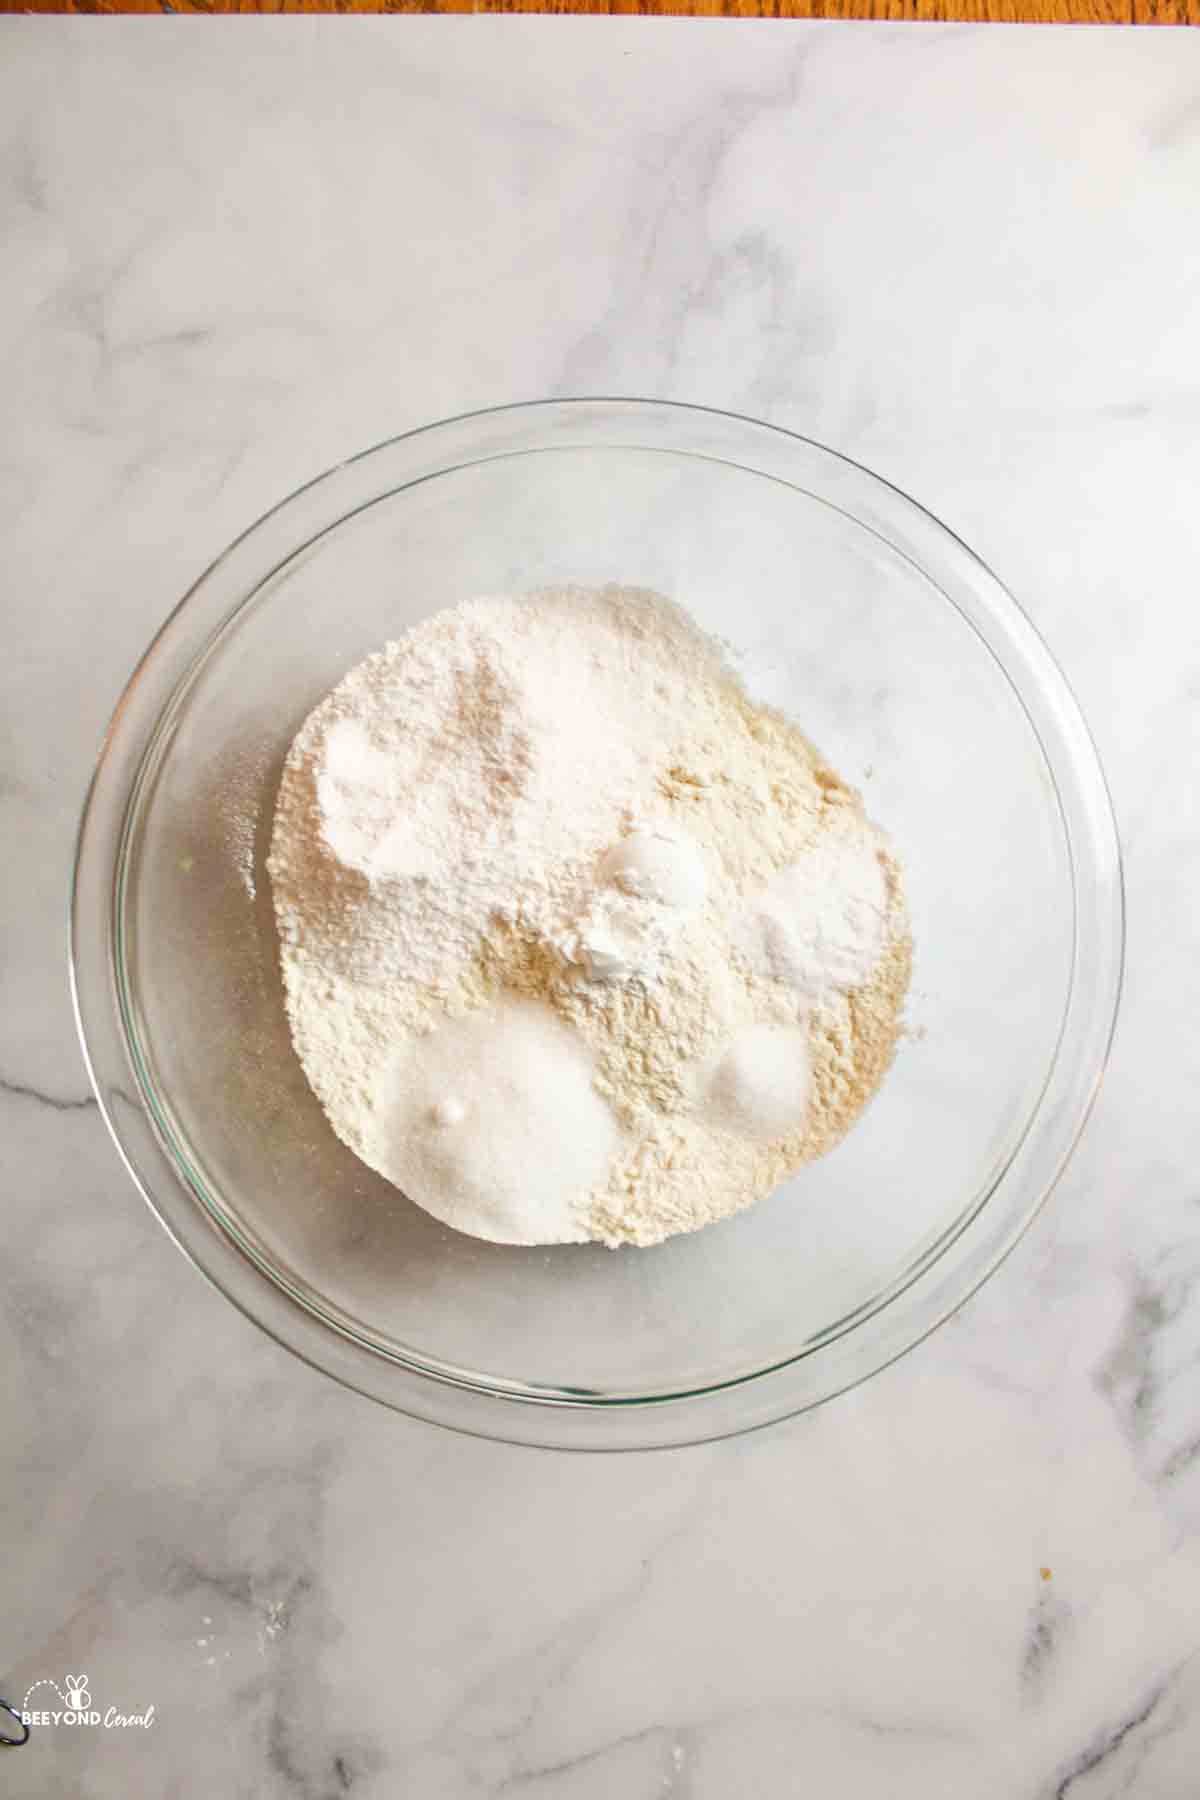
<point>1009,12</point>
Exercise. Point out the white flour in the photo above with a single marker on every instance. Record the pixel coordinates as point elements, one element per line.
<point>820,923</point>
<point>576,942</point>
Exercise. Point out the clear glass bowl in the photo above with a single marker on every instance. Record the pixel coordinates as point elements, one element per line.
<point>919,678</point>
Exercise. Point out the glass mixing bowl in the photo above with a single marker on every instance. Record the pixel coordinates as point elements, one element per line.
<point>915,673</point>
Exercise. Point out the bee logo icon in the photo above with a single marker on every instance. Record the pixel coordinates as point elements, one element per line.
<point>78,1697</point>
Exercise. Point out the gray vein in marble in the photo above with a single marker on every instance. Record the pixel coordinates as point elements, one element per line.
<point>1042,1645</point>
<point>1127,1374</point>
<point>535,1675</point>
<point>236,1587</point>
<point>670,266</point>
<point>60,1103</point>
<point>308,1771</point>
<point>1181,1460</point>
<point>289,1607</point>
<point>687,1737</point>
<point>1106,1746</point>
<point>1148,1377</point>
<point>523,1779</point>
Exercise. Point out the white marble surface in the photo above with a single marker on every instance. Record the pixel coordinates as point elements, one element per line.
<point>237,251</point>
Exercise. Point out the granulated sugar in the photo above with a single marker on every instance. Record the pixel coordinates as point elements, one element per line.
<point>576,941</point>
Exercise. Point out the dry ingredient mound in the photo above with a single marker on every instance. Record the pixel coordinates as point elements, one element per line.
<point>577,942</point>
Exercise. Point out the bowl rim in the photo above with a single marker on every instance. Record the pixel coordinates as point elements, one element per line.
<point>562,1419</point>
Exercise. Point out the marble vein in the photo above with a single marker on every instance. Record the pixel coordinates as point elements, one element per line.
<point>524,1687</point>
<point>1110,1742</point>
<point>668,235</point>
<point>58,1103</point>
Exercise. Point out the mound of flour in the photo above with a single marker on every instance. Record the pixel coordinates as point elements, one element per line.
<point>577,942</point>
